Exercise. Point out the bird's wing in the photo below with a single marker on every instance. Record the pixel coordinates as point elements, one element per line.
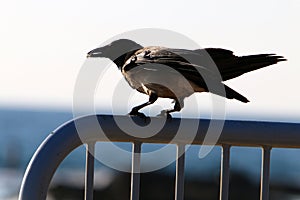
<point>215,63</point>
<point>192,65</point>
<point>183,61</point>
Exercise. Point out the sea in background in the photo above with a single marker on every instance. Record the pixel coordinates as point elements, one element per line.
<point>23,130</point>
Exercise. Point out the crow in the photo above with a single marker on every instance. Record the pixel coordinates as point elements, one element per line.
<point>178,73</point>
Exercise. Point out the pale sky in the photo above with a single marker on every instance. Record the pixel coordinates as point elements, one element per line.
<point>44,45</point>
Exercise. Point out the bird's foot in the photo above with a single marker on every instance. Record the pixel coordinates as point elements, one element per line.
<point>139,114</point>
<point>165,113</point>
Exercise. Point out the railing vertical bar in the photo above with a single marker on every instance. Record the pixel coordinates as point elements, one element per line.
<point>224,173</point>
<point>135,171</point>
<point>89,171</point>
<point>265,173</point>
<point>179,185</point>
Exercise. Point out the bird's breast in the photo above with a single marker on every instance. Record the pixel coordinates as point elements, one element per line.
<point>166,85</point>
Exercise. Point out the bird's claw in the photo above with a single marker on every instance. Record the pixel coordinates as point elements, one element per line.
<point>139,114</point>
<point>165,113</point>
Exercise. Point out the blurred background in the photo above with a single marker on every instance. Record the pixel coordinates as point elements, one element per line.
<point>44,46</point>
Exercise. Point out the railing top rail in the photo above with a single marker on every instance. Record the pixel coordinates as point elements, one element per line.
<point>234,132</point>
<point>94,128</point>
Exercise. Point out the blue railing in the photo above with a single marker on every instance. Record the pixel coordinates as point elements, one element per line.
<point>66,138</point>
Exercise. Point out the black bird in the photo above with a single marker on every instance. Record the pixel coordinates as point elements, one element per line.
<point>178,73</point>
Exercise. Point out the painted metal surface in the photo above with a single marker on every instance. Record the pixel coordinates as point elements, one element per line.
<point>65,139</point>
<point>224,173</point>
<point>135,171</point>
<point>265,173</point>
<point>89,171</point>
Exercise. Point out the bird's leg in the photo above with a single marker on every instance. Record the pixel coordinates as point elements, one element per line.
<point>177,107</point>
<point>135,111</point>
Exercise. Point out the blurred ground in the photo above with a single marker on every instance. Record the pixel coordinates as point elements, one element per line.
<point>160,186</point>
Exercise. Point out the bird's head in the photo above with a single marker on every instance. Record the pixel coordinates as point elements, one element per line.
<point>115,49</point>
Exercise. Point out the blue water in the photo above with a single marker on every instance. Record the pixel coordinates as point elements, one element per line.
<point>22,131</point>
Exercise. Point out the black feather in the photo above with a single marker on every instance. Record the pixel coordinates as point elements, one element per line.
<point>231,66</point>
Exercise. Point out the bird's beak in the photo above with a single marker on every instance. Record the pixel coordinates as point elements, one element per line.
<point>98,52</point>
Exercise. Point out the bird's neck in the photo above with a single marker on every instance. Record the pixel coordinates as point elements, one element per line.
<point>120,61</point>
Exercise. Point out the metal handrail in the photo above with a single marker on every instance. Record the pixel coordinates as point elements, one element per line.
<point>65,139</point>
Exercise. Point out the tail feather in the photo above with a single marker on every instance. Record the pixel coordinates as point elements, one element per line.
<point>235,67</point>
<point>231,94</point>
<point>231,66</point>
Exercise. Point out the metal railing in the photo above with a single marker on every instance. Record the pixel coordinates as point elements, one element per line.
<point>235,133</point>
